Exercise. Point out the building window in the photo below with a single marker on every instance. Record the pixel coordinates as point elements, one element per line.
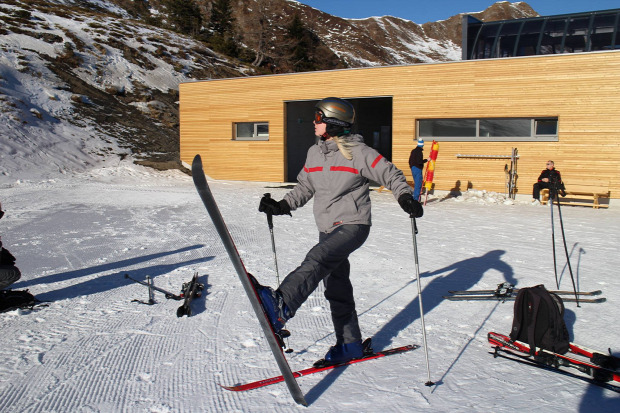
<point>251,131</point>
<point>489,129</point>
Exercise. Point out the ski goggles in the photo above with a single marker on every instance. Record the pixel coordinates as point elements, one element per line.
<point>319,117</point>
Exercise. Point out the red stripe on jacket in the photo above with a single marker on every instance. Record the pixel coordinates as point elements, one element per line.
<point>376,161</point>
<point>344,169</point>
<point>314,169</point>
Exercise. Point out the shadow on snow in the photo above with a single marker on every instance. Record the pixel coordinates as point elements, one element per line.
<point>110,281</point>
<point>461,275</point>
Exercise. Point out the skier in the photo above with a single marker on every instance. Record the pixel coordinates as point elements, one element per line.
<point>416,163</point>
<point>336,173</point>
<point>9,273</point>
<point>549,178</point>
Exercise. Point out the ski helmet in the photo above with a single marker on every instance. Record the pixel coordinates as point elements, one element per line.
<point>335,111</point>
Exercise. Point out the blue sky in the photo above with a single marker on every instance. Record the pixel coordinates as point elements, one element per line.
<point>422,11</point>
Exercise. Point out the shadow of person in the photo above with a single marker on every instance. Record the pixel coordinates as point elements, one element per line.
<point>461,275</point>
<point>456,191</point>
<point>569,319</point>
<point>597,399</point>
<point>82,272</point>
<point>110,281</point>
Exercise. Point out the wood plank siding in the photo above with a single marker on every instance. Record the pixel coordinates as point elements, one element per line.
<point>581,90</point>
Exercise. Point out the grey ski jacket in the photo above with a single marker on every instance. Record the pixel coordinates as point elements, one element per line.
<point>340,187</point>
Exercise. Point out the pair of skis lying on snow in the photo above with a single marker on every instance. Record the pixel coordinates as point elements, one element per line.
<point>596,367</point>
<point>508,292</point>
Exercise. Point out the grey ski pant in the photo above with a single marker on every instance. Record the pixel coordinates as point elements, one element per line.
<point>328,261</point>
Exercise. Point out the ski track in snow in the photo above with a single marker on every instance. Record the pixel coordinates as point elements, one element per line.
<point>94,350</point>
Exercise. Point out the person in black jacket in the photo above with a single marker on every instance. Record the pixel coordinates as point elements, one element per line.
<point>551,179</point>
<point>416,163</point>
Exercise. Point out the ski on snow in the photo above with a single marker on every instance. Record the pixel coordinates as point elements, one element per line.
<point>190,290</point>
<point>507,292</point>
<point>596,374</point>
<point>512,298</point>
<point>200,181</point>
<point>505,288</point>
<point>320,368</point>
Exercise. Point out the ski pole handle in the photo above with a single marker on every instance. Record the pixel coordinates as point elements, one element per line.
<point>269,214</point>
<point>415,225</point>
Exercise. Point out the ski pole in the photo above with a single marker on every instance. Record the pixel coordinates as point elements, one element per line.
<point>150,285</point>
<point>414,230</point>
<point>273,241</point>
<point>570,270</point>
<point>555,267</point>
<point>275,257</point>
<point>168,294</point>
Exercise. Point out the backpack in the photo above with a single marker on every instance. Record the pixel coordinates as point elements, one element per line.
<point>12,300</point>
<point>539,320</point>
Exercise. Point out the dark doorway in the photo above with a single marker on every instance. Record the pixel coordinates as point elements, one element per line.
<point>373,121</point>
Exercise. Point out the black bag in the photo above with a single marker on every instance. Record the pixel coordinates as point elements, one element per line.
<point>539,320</point>
<point>12,300</point>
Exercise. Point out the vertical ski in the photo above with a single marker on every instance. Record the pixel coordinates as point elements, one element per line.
<point>208,200</point>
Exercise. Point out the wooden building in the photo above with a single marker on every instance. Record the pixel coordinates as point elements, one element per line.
<point>259,128</point>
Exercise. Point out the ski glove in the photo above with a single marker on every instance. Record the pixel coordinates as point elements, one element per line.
<point>270,206</point>
<point>410,205</point>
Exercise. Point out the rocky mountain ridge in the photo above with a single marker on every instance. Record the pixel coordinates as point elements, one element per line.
<point>374,41</point>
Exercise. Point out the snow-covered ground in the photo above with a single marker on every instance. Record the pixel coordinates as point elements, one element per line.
<point>95,350</point>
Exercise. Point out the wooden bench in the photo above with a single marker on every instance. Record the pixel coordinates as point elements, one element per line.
<point>582,195</point>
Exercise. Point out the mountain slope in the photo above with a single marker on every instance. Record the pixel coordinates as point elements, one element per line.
<point>107,84</point>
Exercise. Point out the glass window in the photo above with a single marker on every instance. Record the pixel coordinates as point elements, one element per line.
<point>508,39</point>
<point>505,127</point>
<point>546,126</point>
<point>489,129</point>
<point>603,31</point>
<point>528,40</point>
<point>577,34</point>
<point>486,40</point>
<point>251,131</point>
<point>568,33</point>
<point>447,127</point>
<point>262,129</point>
<point>553,37</point>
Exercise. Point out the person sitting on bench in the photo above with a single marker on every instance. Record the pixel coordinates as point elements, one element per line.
<point>551,179</point>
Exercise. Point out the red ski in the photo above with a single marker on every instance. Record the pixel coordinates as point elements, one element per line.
<point>557,360</point>
<point>312,370</point>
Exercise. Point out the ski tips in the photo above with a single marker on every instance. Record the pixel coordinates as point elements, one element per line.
<point>196,163</point>
<point>237,387</point>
